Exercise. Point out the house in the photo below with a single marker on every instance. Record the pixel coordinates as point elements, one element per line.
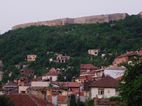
<point>31,58</point>
<point>73,87</point>
<point>10,87</point>
<point>104,88</point>
<point>93,52</point>
<point>40,83</point>
<point>94,74</point>
<point>127,57</point>
<point>58,100</point>
<point>120,59</point>
<point>23,89</point>
<point>87,68</point>
<point>27,72</point>
<point>27,100</point>
<point>37,91</point>
<point>115,71</point>
<point>62,59</point>
<point>52,75</point>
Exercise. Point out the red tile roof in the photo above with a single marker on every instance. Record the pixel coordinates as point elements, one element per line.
<point>10,84</point>
<point>26,100</point>
<point>26,72</point>
<point>87,66</point>
<point>105,82</point>
<point>52,72</point>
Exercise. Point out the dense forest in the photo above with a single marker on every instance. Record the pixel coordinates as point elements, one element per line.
<point>73,40</point>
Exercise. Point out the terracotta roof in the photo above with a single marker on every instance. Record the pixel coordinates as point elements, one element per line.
<point>26,100</point>
<point>10,84</point>
<point>27,72</point>
<point>52,72</point>
<point>105,82</point>
<point>119,78</point>
<point>87,66</point>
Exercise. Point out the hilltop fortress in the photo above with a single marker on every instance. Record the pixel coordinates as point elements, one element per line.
<point>81,20</point>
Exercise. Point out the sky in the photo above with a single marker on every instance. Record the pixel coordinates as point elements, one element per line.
<point>13,12</point>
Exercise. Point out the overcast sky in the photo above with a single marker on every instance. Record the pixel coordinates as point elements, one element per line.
<point>14,12</point>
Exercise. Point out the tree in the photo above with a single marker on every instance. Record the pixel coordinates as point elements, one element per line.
<point>73,101</point>
<point>5,101</point>
<point>131,88</point>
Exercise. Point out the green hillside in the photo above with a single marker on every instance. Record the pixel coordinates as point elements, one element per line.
<point>73,40</point>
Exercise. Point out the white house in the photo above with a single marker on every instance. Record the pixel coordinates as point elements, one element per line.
<point>93,52</point>
<point>104,88</point>
<point>52,75</point>
<point>23,89</point>
<point>114,71</point>
<point>31,58</point>
<point>39,84</point>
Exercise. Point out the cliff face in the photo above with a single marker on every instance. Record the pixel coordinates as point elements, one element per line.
<point>81,20</point>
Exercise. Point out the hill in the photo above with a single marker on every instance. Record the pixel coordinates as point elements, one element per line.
<point>73,40</point>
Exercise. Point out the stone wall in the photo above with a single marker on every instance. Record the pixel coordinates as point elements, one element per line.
<point>81,20</point>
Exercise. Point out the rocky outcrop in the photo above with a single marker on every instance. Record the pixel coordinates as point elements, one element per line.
<point>81,20</point>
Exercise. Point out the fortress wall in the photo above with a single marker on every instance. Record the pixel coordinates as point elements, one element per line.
<point>80,20</point>
<point>117,16</point>
<point>91,19</point>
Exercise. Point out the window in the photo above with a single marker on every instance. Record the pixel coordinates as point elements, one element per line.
<point>100,91</point>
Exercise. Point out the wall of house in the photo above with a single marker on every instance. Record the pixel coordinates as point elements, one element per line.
<point>108,92</point>
<point>62,104</point>
<point>39,84</point>
<point>23,89</point>
<point>54,78</point>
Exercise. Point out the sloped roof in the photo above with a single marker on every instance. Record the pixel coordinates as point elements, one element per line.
<point>10,84</point>
<point>87,66</point>
<point>115,68</point>
<point>52,72</point>
<point>105,82</point>
<point>25,100</point>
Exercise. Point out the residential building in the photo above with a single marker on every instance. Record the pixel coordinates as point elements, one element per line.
<point>87,68</point>
<point>93,52</point>
<point>104,88</point>
<point>62,59</point>
<point>40,83</point>
<point>27,100</point>
<point>31,58</point>
<point>23,89</point>
<point>10,87</point>
<point>27,72</point>
<point>52,75</point>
